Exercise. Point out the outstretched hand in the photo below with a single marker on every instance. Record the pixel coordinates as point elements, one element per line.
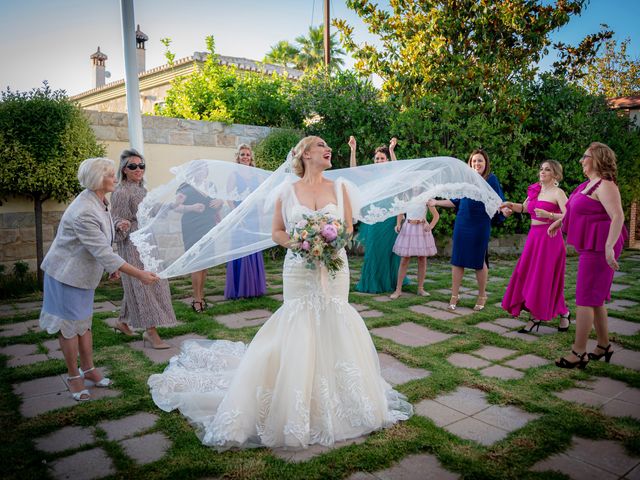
<point>392,143</point>
<point>352,142</point>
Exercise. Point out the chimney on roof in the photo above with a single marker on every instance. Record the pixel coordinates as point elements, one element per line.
<point>140,49</point>
<point>98,60</point>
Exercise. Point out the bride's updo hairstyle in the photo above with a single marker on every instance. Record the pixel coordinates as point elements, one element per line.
<point>298,151</point>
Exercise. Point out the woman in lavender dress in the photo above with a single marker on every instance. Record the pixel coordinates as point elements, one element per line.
<point>245,276</point>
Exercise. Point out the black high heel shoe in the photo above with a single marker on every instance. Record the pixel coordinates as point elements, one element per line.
<point>536,325</point>
<point>581,363</point>
<point>607,353</point>
<point>568,319</point>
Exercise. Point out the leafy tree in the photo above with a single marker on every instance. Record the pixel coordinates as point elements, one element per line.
<point>273,149</point>
<point>219,93</point>
<point>613,74</point>
<point>308,54</point>
<point>43,139</point>
<point>336,105</point>
<point>282,53</point>
<point>312,50</point>
<point>473,48</point>
<point>573,60</point>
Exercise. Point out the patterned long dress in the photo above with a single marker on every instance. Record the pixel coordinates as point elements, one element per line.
<point>143,306</point>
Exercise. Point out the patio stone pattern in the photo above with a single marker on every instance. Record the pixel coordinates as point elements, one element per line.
<point>20,328</point>
<point>433,312</point>
<point>87,465</point>
<point>463,360</point>
<point>395,372</point>
<point>590,459</point>
<point>312,451</point>
<point>128,426</point>
<point>494,353</point>
<point>460,311</point>
<point>412,467</point>
<point>466,413</point>
<point>527,361</point>
<point>615,398</point>
<point>411,334</point>
<point>504,373</point>
<point>623,327</point>
<point>162,356</point>
<point>249,318</point>
<point>147,448</point>
<point>65,439</point>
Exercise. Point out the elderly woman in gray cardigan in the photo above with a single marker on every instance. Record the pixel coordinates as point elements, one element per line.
<point>73,267</point>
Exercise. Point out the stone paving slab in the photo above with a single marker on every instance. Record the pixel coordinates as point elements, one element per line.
<point>618,287</point>
<point>460,311</point>
<point>27,360</point>
<point>465,400</point>
<point>521,336</point>
<point>147,448</point>
<point>510,322</point>
<point>494,353</point>
<point>616,398</point>
<point>161,356</point>
<point>601,456</point>
<point>620,304</point>
<point>527,361</point>
<point>507,417</point>
<point>20,328</point>
<point>504,373</point>
<point>87,465</point>
<point>463,360</point>
<point>371,314</point>
<point>478,431</point>
<point>619,274</point>
<point>65,439</point>
<point>249,318</point>
<point>623,327</point>
<point>128,426</point>
<point>383,298</point>
<point>440,414</point>
<point>278,296</point>
<point>99,307</point>
<point>395,372</point>
<point>433,312</point>
<point>312,451</point>
<point>491,327</point>
<point>411,334</point>
<point>359,307</point>
<point>625,358</point>
<point>415,467</point>
<point>40,386</point>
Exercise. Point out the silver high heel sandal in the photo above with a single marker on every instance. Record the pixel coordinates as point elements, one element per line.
<point>81,396</point>
<point>103,383</point>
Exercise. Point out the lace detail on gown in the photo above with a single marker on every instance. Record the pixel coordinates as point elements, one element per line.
<point>310,375</point>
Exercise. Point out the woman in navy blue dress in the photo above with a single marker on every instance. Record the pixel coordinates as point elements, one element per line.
<point>471,233</point>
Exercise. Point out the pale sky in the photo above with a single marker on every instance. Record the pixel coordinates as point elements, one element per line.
<point>52,39</point>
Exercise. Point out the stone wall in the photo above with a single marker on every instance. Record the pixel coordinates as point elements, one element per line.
<point>168,142</point>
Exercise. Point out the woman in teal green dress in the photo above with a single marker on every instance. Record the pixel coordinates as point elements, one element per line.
<point>380,269</point>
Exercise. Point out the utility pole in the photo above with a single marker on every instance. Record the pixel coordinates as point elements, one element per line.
<point>131,75</point>
<point>327,19</point>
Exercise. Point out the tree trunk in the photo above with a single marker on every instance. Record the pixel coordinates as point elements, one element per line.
<point>37,204</point>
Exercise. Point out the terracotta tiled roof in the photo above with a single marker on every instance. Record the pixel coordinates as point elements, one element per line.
<point>631,102</point>
<point>99,55</point>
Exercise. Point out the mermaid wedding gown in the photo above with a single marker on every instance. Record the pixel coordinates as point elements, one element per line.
<point>310,375</point>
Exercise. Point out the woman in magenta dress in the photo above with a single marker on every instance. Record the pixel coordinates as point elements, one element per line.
<point>594,226</point>
<point>537,282</point>
<point>245,276</point>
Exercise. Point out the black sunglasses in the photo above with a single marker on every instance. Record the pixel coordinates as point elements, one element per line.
<point>134,166</point>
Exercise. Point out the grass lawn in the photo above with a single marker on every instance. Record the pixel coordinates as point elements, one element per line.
<point>512,457</point>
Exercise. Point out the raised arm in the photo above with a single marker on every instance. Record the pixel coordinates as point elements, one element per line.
<point>352,146</point>
<point>392,146</point>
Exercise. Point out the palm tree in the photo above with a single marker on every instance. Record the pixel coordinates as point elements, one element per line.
<point>282,53</point>
<point>312,49</point>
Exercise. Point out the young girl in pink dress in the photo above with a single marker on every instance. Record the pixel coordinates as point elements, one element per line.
<point>415,240</point>
<point>537,282</point>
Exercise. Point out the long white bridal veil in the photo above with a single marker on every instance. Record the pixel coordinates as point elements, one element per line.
<point>213,211</point>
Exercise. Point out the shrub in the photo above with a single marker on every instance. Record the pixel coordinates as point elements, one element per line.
<point>272,150</point>
<point>19,282</point>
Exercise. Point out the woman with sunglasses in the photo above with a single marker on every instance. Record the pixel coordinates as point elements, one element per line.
<point>143,306</point>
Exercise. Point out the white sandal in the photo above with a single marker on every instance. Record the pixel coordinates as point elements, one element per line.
<point>103,383</point>
<point>81,396</point>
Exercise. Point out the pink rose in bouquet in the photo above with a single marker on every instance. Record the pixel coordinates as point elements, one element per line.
<point>329,232</point>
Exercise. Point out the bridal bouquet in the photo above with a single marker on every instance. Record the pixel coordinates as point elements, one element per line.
<point>319,238</point>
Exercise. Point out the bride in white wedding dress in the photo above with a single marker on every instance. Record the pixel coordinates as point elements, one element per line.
<point>311,374</point>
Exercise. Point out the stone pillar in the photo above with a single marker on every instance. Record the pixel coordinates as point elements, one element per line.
<point>98,60</point>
